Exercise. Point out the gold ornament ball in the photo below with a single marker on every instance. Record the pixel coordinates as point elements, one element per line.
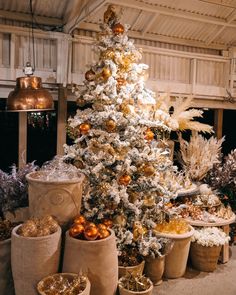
<point>124,108</point>
<point>106,73</point>
<point>90,75</point>
<point>76,230</point>
<point>84,128</point>
<point>124,179</point>
<point>80,220</point>
<point>149,135</point>
<point>91,233</point>
<point>90,224</point>
<point>133,196</point>
<point>110,125</point>
<point>118,29</point>
<point>148,170</point>
<point>108,223</point>
<point>108,54</point>
<point>120,219</point>
<point>149,201</point>
<point>103,233</point>
<point>101,226</point>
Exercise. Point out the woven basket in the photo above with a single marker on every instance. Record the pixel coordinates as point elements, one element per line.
<point>204,258</point>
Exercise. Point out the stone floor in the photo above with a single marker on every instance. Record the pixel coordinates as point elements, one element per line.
<point>220,282</point>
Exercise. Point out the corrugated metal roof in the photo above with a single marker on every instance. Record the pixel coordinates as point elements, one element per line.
<point>168,22</point>
<point>194,6</point>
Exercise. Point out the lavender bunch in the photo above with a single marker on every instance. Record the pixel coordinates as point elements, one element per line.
<point>13,188</point>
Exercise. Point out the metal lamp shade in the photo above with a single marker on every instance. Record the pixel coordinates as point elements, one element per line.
<point>29,95</point>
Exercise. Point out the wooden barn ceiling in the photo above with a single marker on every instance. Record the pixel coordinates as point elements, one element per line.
<point>202,23</point>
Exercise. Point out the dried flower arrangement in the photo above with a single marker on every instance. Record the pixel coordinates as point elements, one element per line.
<point>223,178</point>
<point>13,188</point>
<point>210,236</point>
<point>183,115</point>
<point>135,282</point>
<point>199,155</point>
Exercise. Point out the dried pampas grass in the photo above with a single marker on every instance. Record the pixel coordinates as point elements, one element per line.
<point>199,155</point>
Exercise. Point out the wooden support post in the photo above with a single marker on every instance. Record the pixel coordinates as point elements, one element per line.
<point>218,123</point>
<point>22,142</point>
<point>61,119</point>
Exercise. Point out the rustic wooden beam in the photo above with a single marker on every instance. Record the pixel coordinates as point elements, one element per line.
<point>156,37</point>
<point>61,119</point>
<point>26,17</point>
<point>90,6</point>
<point>172,12</point>
<point>22,139</point>
<point>218,123</point>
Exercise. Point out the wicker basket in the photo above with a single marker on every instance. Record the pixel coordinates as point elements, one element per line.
<point>204,258</point>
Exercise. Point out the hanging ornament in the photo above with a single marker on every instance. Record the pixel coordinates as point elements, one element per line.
<point>120,82</point>
<point>81,102</point>
<point>84,128</point>
<point>108,54</point>
<point>118,29</point>
<point>110,15</point>
<point>120,219</point>
<point>124,179</point>
<point>138,231</point>
<point>76,230</point>
<point>80,220</point>
<point>148,170</point>
<point>110,125</point>
<point>106,73</point>
<point>149,201</point>
<point>90,75</point>
<point>91,233</point>
<point>104,187</point>
<point>125,109</point>
<point>133,196</point>
<point>108,223</point>
<point>149,135</point>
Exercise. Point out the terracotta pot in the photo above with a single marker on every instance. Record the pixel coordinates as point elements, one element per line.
<point>136,269</point>
<point>204,258</point>
<point>68,276</point>
<point>124,291</point>
<point>154,269</point>
<point>61,199</point>
<point>97,259</point>
<point>6,281</point>
<point>176,260</point>
<point>32,259</point>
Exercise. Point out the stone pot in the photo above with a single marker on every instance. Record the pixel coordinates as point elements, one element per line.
<point>154,269</point>
<point>61,199</point>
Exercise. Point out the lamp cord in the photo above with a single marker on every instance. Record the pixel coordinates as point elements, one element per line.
<point>32,32</point>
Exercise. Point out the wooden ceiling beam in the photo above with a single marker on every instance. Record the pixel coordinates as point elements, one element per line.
<point>229,20</point>
<point>155,37</point>
<point>26,17</point>
<point>89,7</point>
<point>172,12</point>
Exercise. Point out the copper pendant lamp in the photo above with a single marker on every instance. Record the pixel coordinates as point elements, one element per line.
<point>29,95</point>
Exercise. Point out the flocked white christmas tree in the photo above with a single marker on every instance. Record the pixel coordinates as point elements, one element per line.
<point>119,131</point>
